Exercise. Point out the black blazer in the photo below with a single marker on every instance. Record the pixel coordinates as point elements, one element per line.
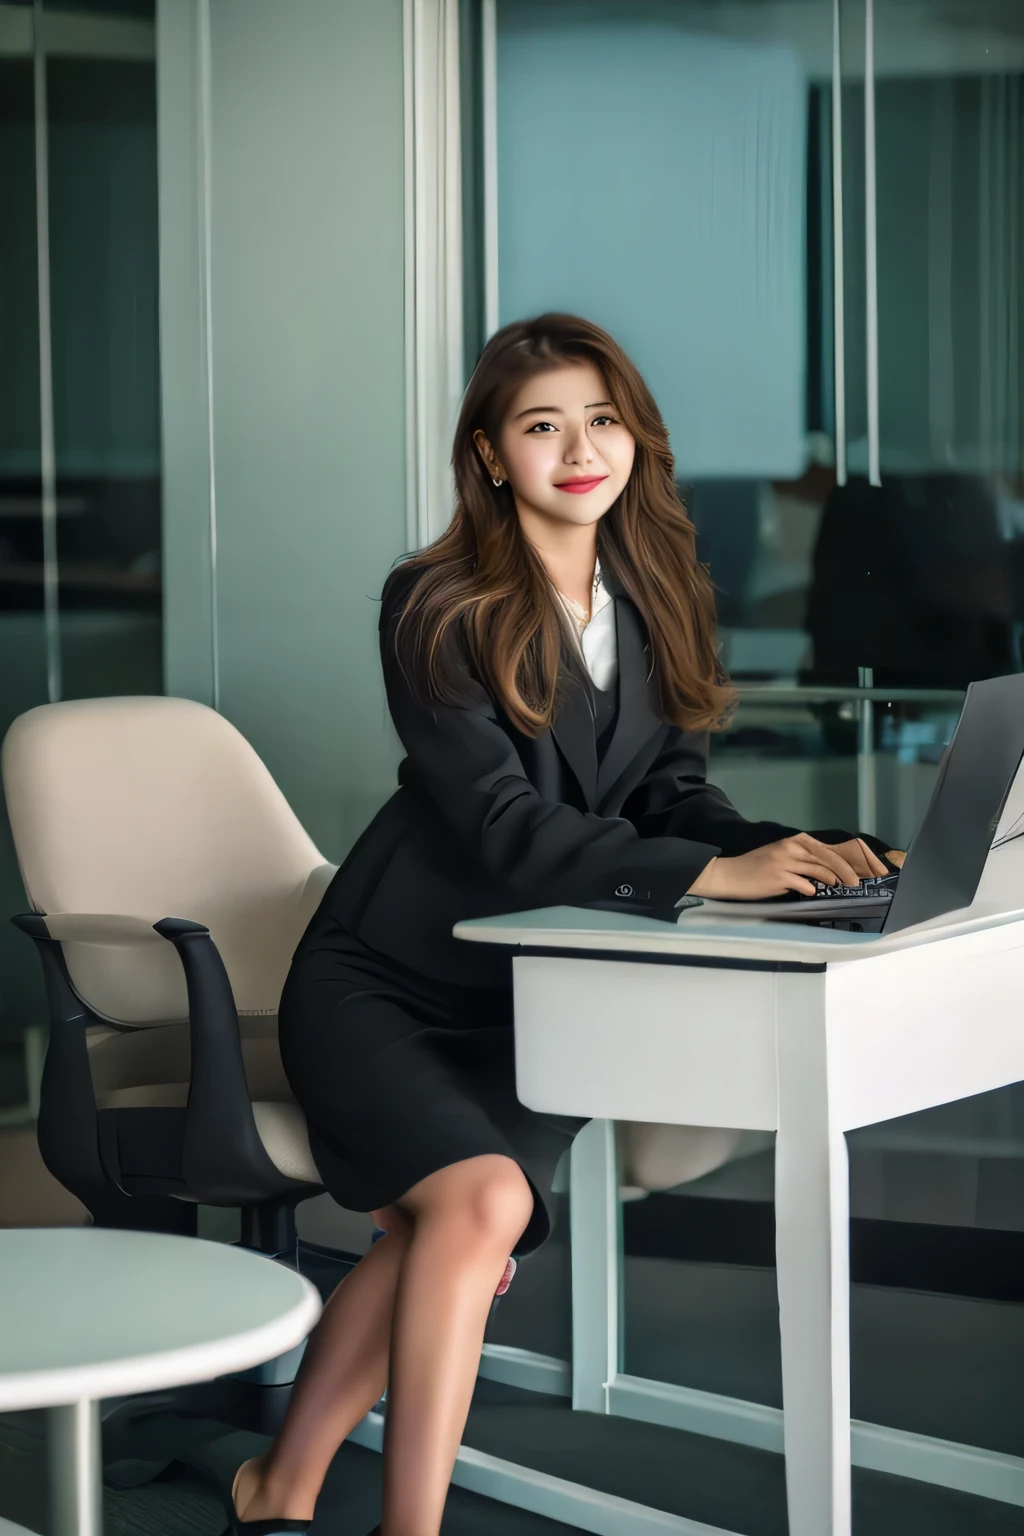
<point>487,820</point>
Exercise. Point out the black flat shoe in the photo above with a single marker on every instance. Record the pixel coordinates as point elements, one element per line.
<point>278,1526</point>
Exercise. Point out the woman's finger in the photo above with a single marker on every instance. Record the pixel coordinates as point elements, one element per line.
<point>856,855</point>
<point>833,860</point>
<point>863,860</point>
<point>798,883</point>
<point>875,864</point>
<point>833,856</point>
<point>812,870</point>
<point>789,880</point>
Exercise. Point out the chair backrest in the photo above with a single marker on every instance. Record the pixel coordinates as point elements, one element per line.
<point>158,807</point>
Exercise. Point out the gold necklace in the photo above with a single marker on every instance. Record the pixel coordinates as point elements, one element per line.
<point>580,615</point>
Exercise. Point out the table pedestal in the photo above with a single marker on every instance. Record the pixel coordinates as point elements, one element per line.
<point>75,1470</point>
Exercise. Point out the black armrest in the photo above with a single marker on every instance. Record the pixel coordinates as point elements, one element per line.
<point>67,1128</point>
<point>87,927</point>
<point>223,1159</point>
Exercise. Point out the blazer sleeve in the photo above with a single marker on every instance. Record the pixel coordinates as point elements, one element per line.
<point>465,767</point>
<point>674,799</point>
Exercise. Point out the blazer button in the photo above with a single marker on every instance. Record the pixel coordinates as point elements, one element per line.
<point>623,890</point>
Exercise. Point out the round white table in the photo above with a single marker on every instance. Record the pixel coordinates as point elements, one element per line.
<point>89,1314</point>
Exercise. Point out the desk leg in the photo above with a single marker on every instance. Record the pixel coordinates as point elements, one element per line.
<point>812,1248</point>
<point>75,1471</point>
<point>595,1227</point>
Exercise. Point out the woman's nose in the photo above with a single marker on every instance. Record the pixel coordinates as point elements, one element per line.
<point>579,450</point>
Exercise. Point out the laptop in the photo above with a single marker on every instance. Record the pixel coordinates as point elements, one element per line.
<point>946,857</point>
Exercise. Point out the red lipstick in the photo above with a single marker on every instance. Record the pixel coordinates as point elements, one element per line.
<point>581,484</point>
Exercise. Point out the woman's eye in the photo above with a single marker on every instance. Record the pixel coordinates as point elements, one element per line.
<point>598,421</point>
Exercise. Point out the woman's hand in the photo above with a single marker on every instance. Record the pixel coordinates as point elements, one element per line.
<point>790,865</point>
<point>859,856</point>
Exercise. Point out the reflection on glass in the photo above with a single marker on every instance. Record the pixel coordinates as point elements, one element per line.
<point>104,285</point>
<point>20,485</point>
<point>918,580</point>
<point>681,225</point>
<point>96,170</point>
<point>22,638</point>
<point>928,562</point>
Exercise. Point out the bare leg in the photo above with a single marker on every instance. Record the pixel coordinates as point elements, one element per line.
<point>343,1374</point>
<point>467,1219</point>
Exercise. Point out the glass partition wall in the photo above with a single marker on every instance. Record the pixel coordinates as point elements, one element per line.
<point>892,560</point>
<point>80,533</point>
<point>820,281</point>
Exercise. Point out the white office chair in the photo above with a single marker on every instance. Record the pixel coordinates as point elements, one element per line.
<point>659,1157</point>
<point>146,826</point>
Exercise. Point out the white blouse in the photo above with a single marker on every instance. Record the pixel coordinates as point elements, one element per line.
<point>597,636</point>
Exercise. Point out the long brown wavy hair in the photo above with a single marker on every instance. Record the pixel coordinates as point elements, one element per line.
<point>483,577</point>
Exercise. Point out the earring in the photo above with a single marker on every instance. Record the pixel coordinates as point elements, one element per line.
<point>496,482</point>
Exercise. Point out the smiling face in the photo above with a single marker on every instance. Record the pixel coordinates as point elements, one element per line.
<point>563,449</point>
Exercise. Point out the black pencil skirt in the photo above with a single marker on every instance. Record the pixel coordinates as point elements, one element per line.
<point>399,1076</point>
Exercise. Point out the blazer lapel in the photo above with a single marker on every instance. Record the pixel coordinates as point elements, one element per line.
<point>638,718</point>
<point>573,730</point>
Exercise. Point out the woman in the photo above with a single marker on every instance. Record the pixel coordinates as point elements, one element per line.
<point>551,669</point>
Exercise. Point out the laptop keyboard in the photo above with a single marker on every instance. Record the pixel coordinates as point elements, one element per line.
<point>880,887</point>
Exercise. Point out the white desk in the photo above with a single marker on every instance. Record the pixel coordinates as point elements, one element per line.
<point>764,1026</point>
<point>90,1313</point>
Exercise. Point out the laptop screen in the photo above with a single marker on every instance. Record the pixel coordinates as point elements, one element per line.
<point>947,856</point>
